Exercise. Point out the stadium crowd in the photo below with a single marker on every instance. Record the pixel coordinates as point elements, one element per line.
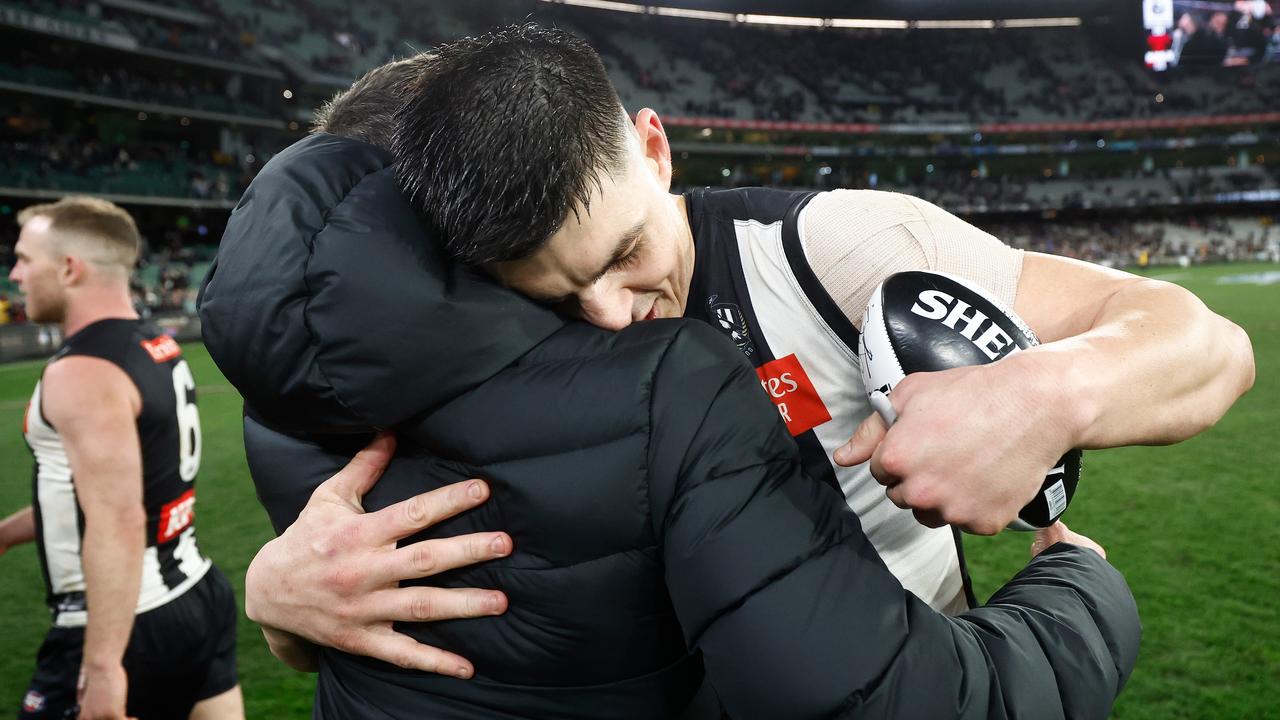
<point>693,68</point>
<point>63,66</point>
<point>70,164</point>
<point>208,38</point>
<point>967,190</point>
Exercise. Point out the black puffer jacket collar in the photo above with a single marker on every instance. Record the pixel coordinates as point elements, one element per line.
<point>331,309</point>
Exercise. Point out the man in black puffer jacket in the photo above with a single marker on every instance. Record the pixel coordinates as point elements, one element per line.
<point>663,531</point>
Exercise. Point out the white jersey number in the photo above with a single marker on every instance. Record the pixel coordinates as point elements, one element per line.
<point>188,422</point>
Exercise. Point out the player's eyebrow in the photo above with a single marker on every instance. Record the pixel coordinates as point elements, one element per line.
<point>624,245</point>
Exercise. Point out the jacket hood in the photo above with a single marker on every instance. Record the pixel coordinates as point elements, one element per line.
<point>331,308</point>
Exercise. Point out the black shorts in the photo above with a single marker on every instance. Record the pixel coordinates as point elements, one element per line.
<point>179,654</point>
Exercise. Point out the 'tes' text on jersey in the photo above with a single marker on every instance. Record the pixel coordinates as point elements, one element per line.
<point>791,390</point>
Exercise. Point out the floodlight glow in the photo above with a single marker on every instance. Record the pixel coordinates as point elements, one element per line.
<point>955,24</point>
<point>817,22</point>
<point>789,20</point>
<point>1041,22</point>
<point>605,5</point>
<point>869,24</point>
<point>694,14</point>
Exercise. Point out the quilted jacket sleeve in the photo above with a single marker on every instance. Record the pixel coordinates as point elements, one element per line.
<point>794,612</point>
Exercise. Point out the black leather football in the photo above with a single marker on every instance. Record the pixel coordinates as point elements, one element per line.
<point>920,321</point>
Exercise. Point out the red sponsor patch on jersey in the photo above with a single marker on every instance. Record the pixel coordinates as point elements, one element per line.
<point>176,516</point>
<point>162,348</point>
<point>791,390</point>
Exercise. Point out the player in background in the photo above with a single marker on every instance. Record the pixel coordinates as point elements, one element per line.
<point>143,624</point>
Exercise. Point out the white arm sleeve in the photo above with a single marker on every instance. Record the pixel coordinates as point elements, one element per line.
<point>854,239</point>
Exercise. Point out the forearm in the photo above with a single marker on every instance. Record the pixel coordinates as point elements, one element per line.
<point>114,543</point>
<point>18,528</point>
<point>1156,367</point>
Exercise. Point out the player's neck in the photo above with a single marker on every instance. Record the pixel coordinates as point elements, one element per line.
<point>88,305</point>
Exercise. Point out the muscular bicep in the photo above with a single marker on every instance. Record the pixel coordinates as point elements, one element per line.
<point>94,406</point>
<point>854,239</point>
<point>1060,297</point>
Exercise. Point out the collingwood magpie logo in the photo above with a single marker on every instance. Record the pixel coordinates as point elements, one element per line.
<point>730,319</point>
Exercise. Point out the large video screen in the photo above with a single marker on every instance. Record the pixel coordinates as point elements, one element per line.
<point>1210,34</point>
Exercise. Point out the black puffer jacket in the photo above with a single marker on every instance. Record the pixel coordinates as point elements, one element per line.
<point>661,522</point>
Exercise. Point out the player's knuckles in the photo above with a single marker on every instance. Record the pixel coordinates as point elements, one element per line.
<point>345,580</point>
<point>424,558</point>
<point>477,603</point>
<point>424,605</point>
<point>416,511</point>
<point>336,538</point>
<point>324,547</point>
<point>894,459</point>
<point>922,493</point>
<point>349,639</point>
<point>480,548</point>
<point>404,658</point>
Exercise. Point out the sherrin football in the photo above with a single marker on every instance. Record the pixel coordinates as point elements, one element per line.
<point>922,321</point>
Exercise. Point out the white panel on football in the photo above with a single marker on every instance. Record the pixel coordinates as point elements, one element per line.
<point>879,363</point>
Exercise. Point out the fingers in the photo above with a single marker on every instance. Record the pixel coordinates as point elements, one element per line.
<point>904,497</point>
<point>931,509</point>
<point>864,442</point>
<point>429,604</point>
<point>1048,537</point>
<point>431,557</point>
<point>357,478</point>
<point>929,518</point>
<point>403,651</point>
<point>398,521</point>
<point>1059,532</point>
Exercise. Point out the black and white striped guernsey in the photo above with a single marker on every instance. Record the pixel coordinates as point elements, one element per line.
<point>752,280</point>
<point>169,432</point>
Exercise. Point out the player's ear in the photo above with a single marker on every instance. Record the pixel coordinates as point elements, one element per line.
<point>72,270</point>
<point>654,145</point>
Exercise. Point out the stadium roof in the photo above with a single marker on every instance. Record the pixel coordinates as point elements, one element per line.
<point>905,9</point>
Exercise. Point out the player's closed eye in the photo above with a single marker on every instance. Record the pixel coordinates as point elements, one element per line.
<point>630,259</point>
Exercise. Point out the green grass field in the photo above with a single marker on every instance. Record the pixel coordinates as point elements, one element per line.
<point>1195,527</point>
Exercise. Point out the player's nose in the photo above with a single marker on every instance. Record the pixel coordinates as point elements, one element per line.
<point>606,308</point>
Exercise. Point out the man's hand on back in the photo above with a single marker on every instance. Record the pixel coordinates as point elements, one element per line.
<point>333,577</point>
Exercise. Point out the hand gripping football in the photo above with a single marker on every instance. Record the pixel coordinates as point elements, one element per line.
<point>921,321</point>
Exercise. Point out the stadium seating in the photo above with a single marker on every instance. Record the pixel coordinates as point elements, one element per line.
<point>692,68</point>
